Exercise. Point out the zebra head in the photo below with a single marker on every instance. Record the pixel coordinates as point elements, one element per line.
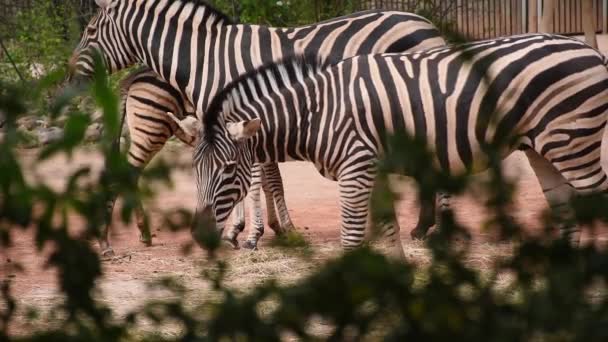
<point>103,37</point>
<point>223,161</point>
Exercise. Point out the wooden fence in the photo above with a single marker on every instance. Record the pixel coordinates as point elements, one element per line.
<point>479,19</point>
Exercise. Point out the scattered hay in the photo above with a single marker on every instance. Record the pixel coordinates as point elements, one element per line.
<point>246,269</point>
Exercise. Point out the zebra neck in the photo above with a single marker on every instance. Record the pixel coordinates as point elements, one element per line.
<point>173,38</point>
<point>290,119</point>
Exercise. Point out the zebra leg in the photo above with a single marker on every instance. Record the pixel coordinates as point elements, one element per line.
<point>257,215</point>
<point>557,191</point>
<point>238,224</point>
<point>558,188</point>
<point>443,205</point>
<point>271,211</point>
<point>145,236</point>
<point>391,233</point>
<point>148,133</point>
<point>104,242</point>
<point>387,225</point>
<point>426,219</point>
<point>238,216</point>
<point>272,183</point>
<point>355,195</point>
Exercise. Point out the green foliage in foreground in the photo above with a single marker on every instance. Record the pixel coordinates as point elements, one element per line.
<point>553,292</point>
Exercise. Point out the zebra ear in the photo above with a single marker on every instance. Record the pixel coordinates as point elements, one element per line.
<point>104,3</point>
<point>189,125</point>
<point>244,129</point>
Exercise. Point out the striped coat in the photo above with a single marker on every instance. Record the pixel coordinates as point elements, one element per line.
<point>545,94</point>
<point>198,50</point>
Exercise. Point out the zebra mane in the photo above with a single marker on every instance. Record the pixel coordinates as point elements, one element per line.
<point>213,11</point>
<point>296,67</point>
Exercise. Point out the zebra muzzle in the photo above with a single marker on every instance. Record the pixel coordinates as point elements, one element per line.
<point>204,229</point>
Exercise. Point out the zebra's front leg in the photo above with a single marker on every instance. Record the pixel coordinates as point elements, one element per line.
<point>426,219</point>
<point>355,199</point>
<point>256,214</point>
<point>274,192</point>
<point>238,219</point>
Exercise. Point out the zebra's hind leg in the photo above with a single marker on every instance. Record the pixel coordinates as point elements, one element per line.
<point>104,242</point>
<point>385,224</point>
<point>557,192</point>
<point>145,236</point>
<point>578,176</point>
<point>391,233</point>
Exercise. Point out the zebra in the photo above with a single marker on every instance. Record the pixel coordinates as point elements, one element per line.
<point>266,177</point>
<point>155,111</point>
<point>550,94</point>
<point>197,50</point>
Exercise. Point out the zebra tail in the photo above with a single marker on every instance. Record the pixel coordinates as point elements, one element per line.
<point>123,109</point>
<point>604,144</point>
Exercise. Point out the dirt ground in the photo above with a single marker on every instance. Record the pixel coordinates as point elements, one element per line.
<point>313,203</point>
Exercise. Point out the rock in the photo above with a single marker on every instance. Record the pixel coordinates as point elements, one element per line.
<point>93,132</point>
<point>30,122</point>
<point>49,135</point>
<point>61,120</point>
<point>42,123</point>
<point>27,123</point>
<point>97,115</point>
<point>37,70</point>
<point>30,139</point>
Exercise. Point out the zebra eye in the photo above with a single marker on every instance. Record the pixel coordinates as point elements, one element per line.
<point>230,167</point>
<point>91,30</point>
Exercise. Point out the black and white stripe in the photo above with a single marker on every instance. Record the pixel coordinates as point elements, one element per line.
<point>198,50</point>
<point>549,95</point>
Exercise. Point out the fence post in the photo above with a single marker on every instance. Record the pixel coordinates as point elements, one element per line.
<point>604,16</point>
<point>532,16</point>
<point>547,24</point>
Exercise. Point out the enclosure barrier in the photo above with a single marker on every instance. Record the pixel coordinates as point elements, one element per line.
<point>483,19</point>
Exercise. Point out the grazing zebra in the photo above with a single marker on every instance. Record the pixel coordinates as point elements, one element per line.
<point>273,188</point>
<point>198,50</point>
<point>154,112</point>
<point>549,93</point>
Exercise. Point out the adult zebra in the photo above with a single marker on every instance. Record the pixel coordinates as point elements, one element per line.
<point>192,46</point>
<point>147,100</point>
<point>550,94</point>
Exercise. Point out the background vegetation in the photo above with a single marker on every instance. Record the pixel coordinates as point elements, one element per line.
<point>544,290</point>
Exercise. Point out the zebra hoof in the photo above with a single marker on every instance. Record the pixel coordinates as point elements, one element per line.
<point>251,245</point>
<point>232,243</point>
<point>239,227</point>
<point>108,253</point>
<point>146,240</point>
<point>418,234</point>
<point>276,228</point>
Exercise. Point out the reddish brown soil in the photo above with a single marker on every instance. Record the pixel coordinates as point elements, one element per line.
<point>313,203</point>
